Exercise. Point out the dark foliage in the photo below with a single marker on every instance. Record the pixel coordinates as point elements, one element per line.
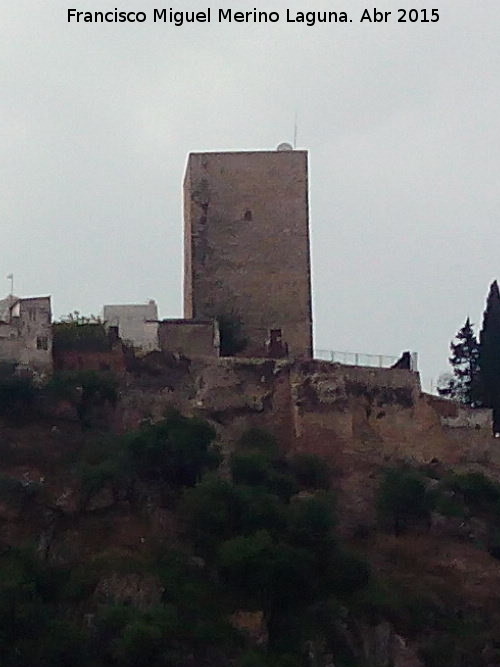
<point>170,455</point>
<point>251,546</point>
<point>251,468</point>
<point>480,494</point>
<point>310,471</point>
<point>256,439</point>
<point>17,397</point>
<point>465,385</point>
<point>212,513</point>
<point>176,450</point>
<point>403,499</point>
<point>268,550</point>
<point>86,390</point>
<point>84,336</point>
<point>489,357</point>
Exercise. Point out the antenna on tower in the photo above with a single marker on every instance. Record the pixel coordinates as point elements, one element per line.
<point>11,278</point>
<point>295,132</point>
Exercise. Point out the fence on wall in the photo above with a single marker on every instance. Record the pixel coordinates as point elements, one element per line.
<point>363,359</point>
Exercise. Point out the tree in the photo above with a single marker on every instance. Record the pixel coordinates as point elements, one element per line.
<point>79,332</point>
<point>177,450</point>
<point>464,385</point>
<point>489,356</point>
<point>85,390</point>
<point>266,574</point>
<point>211,513</point>
<point>311,471</point>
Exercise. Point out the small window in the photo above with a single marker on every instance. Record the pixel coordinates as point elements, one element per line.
<point>248,215</point>
<point>42,343</point>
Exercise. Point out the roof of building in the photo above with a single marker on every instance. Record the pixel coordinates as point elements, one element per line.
<point>6,305</point>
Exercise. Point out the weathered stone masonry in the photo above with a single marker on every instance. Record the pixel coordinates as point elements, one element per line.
<point>247,245</point>
<point>26,332</point>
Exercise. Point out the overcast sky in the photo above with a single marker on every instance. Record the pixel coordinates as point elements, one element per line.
<point>401,121</point>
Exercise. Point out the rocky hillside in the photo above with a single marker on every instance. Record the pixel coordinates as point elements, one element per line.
<point>244,514</point>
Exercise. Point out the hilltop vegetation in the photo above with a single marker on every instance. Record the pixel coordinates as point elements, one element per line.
<point>155,547</point>
<point>247,542</point>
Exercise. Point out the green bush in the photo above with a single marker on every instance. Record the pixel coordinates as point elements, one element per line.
<point>402,499</point>
<point>475,490</point>
<point>85,390</point>
<point>347,574</point>
<point>94,478</point>
<point>16,492</point>
<point>259,440</point>
<point>282,484</point>
<point>311,472</point>
<point>257,461</point>
<point>258,659</point>
<point>263,573</point>
<point>458,642</point>
<point>176,450</point>
<point>32,629</point>
<point>253,659</point>
<point>311,522</point>
<point>172,454</point>
<point>100,386</point>
<point>212,513</point>
<point>261,510</point>
<point>412,609</point>
<point>17,397</point>
<point>252,468</point>
<point>146,637</point>
<point>81,336</point>
<point>450,506</point>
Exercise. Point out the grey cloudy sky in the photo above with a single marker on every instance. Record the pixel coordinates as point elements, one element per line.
<point>401,121</point>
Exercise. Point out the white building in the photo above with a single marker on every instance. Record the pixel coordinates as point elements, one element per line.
<point>134,322</point>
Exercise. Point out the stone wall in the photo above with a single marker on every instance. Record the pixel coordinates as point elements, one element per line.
<point>247,245</point>
<point>85,360</point>
<point>455,415</point>
<point>359,419</point>
<point>343,413</point>
<point>189,338</point>
<point>471,429</point>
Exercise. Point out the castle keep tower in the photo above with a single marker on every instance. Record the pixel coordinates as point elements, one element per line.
<point>246,246</point>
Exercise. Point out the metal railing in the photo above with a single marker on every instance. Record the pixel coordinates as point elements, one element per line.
<point>362,359</point>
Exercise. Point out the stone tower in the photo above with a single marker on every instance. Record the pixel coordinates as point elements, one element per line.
<point>246,247</point>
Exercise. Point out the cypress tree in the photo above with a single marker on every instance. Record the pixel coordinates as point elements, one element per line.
<point>489,356</point>
<point>465,385</point>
